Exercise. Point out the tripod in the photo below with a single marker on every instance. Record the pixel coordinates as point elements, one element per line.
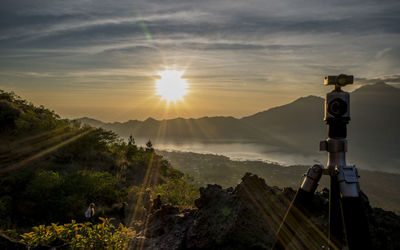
<point>348,225</point>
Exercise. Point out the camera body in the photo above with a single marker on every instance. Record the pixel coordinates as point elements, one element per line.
<point>337,106</point>
<point>337,102</point>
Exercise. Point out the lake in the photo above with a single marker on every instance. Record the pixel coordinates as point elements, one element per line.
<point>243,152</point>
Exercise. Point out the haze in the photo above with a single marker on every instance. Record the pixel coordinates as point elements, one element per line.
<point>101,58</point>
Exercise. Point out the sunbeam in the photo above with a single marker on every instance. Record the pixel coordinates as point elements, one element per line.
<point>43,153</point>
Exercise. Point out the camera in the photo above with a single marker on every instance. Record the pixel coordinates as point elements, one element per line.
<point>337,106</point>
<point>337,102</point>
<point>339,81</point>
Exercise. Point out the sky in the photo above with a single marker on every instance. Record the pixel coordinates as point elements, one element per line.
<point>102,59</point>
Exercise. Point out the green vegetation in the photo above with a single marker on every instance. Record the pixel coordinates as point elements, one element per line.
<point>80,235</point>
<point>178,192</point>
<point>19,117</point>
<point>51,169</point>
<point>209,168</point>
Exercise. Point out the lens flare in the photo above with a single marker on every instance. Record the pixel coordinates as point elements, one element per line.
<point>171,86</point>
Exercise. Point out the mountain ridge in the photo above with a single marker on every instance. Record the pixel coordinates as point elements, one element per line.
<point>296,127</point>
<point>362,88</point>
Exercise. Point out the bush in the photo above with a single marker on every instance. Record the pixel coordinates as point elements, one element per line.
<point>63,166</point>
<point>80,235</point>
<point>57,197</point>
<point>177,192</point>
<point>8,115</point>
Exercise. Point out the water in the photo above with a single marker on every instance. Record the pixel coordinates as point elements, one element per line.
<point>243,152</point>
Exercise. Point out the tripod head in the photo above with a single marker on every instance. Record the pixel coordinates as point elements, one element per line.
<point>337,105</point>
<point>339,81</point>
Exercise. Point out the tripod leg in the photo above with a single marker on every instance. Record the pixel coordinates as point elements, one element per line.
<point>354,217</point>
<point>355,223</point>
<point>335,234</point>
<point>293,220</point>
<point>296,222</point>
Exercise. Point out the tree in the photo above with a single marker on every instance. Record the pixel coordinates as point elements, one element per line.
<point>132,148</point>
<point>8,115</point>
<point>149,146</point>
<point>131,140</point>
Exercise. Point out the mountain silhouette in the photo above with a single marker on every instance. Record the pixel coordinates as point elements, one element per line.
<point>373,131</point>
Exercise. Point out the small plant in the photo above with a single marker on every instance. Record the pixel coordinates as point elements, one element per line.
<point>80,235</point>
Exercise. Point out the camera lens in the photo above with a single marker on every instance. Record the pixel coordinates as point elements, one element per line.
<point>337,107</point>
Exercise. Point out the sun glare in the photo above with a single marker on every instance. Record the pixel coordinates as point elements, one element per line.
<point>171,86</point>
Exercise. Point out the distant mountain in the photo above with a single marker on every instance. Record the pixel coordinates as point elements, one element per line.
<point>374,131</point>
<point>206,129</point>
<point>298,124</point>
<point>298,127</point>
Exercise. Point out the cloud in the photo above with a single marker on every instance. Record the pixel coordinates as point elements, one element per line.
<point>390,79</point>
<point>288,43</point>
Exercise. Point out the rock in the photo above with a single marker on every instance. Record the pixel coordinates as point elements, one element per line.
<point>247,217</point>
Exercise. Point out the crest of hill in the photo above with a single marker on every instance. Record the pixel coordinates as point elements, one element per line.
<point>377,88</point>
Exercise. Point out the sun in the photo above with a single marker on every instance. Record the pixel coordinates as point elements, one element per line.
<point>171,86</point>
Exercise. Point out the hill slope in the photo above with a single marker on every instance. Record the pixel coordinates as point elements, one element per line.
<point>51,169</point>
<point>380,187</point>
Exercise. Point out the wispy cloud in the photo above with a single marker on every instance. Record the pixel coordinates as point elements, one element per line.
<point>395,79</point>
<point>253,44</point>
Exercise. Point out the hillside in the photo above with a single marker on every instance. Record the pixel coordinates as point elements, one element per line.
<point>51,169</point>
<point>212,169</point>
<point>295,127</point>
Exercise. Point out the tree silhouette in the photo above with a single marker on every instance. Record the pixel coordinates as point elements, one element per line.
<point>132,148</point>
<point>149,146</point>
<point>8,115</point>
<point>131,140</point>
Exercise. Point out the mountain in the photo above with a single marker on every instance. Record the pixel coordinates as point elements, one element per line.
<point>206,129</point>
<point>295,127</point>
<point>298,124</point>
<point>374,129</point>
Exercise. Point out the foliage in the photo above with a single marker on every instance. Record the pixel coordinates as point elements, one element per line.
<point>80,235</point>
<point>177,192</point>
<point>132,149</point>
<point>93,145</point>
<point>131,140</point>
<point>149,146</point>
<point>8,114</point>
<point>65,196</point>
<point>24,117</point>
<point>71,166</point>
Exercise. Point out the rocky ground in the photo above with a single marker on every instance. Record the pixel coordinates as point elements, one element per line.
<point>246,217</point>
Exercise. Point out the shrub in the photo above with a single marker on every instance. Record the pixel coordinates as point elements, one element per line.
<point>177,192</point>
<point>61,197</point>
<point>80,235</point>
<point>8,115</point>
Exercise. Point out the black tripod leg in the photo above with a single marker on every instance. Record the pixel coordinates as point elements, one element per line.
<point>335,234</point>
<point>294,219</point>
<point>355,223</point>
